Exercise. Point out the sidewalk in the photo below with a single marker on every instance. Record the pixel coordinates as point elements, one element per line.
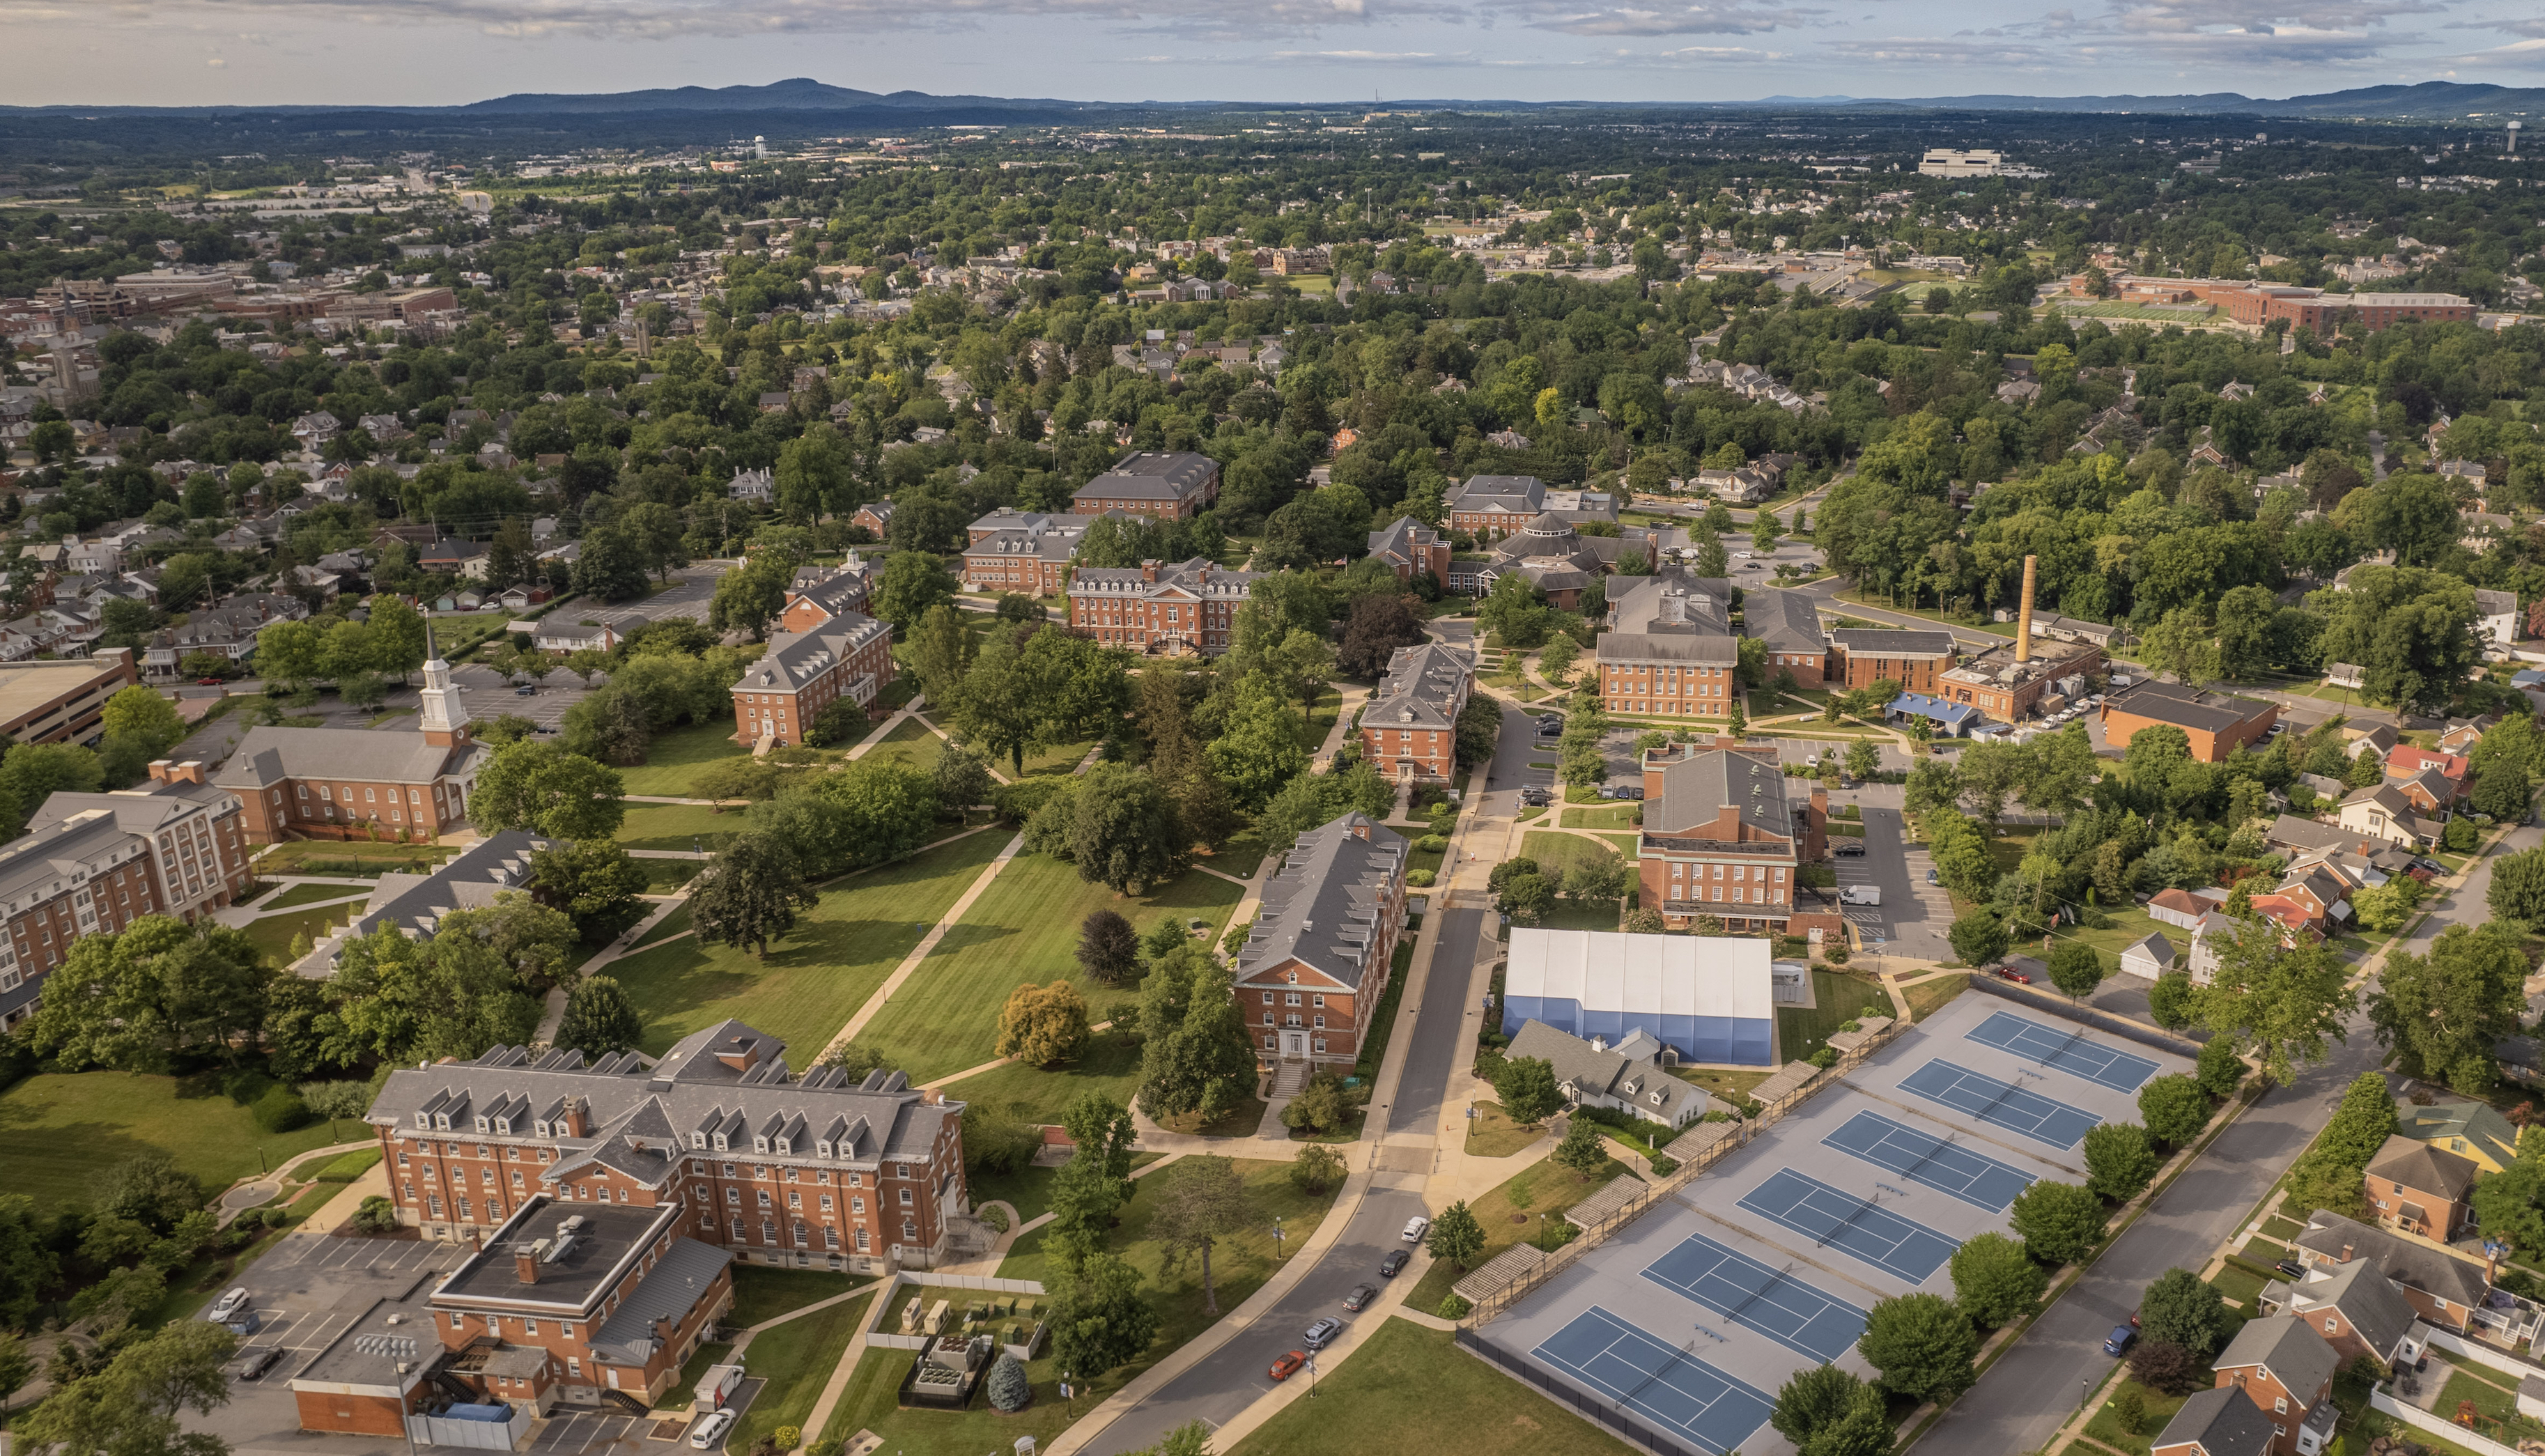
<point>927,945</point>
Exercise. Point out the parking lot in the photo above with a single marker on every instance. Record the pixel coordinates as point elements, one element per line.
<point>1769,1264</point>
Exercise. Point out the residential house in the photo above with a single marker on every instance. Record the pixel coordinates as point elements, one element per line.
<point>1721,838</point>
<point>460,558</point>
<point>2285,1368</point>
<point>2355,1308</point>
<point>1313,971</point>
<point>1628,1075</point>
<point>1411,548</point>
<point>2475,1131</point>
<point>1410,728</point>
<point>2215,1423</point>
<point>2369,738</point>
<point>2182,908</point>
<point>555,635</point>
<point>2149,957</point>
<point>2496,618</point>
<point>753,487</point>
<point>2421,1190</point>
<point>2384,812</point>
<point>875,516</point>
<point>2432,781</point>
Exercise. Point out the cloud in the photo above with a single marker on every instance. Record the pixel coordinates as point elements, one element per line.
<point>723,19</point>
<point>2519,55</point>
<point>1735,19</point>
<point>1970,49</point>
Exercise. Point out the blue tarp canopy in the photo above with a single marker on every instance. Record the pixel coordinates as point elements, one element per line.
<point>1955,715</point>
<point>495,1413</point>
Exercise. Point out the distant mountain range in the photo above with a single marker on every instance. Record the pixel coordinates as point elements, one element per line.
<point>802,99</point>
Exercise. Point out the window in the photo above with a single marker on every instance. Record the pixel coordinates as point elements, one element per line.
<point>905,1197</point>
<point>764,1197</point>
<point>530,1326</point>
<point>455,1319</point>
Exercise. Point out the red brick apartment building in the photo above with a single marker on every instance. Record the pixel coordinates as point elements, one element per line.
<point>348,782</point>
<point>1916,660</point>
<point>1410,729</point>
<point>1178,610</point>
<point>802,673</point>
<point>1022,551</point>
<point>1322,947</point>
<point>821,595</point>
<point>92,864</point>
<point>1720,836</point>
<point>1409,546</point>
<point>1171,485</point>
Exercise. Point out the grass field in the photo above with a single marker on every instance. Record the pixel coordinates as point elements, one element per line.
<point>1612,816</point>
<point>796,1358</point>
<point>678,827</point>
<point>1023,928</point>
<point>815,979</point>
<point>314,893</point>
<point>1492,1133</point>
<point>1515,1211</point>
<point>2157,1406</point>
<point>1556,851</point>
<point>1110,1065</point>
<point>273,934</point>
<point>913,744</point>
<point>669,926</point>
<point>352,858</point>
<point>1928,997</point>
<point>1801,1031</point>
<point>675,758</point>
<point>1409,1391</point>
<point>59,1132</point>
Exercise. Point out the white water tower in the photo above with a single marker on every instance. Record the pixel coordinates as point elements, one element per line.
<point>760,147</point>
<point>2514,129</point>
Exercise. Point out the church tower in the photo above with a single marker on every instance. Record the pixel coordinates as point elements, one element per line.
<point>444,721</point>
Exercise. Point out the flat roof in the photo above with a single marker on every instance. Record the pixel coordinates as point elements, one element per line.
<point>1658,975</point>
<point>603,1240</point>
<point>30,687</point>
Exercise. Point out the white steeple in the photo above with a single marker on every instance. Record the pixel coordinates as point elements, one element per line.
<point>444,721</point>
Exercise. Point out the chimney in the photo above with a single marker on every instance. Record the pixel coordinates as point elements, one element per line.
<point>2346,1254</point>
<point>573,1118</point>
<point>1674,607</point>
<point>1148,571</point>
<point>525,1263</point>
<point>2023,618</point>
<point>188,772</point>
<point>158,771</point>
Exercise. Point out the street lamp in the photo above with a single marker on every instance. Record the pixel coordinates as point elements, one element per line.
<point>397,1350</point>
<point>1278,1249</point>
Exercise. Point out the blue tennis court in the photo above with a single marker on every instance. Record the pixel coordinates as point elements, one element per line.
<point>1858,1227</point>
<point>1939,1163</point>
<point>2068,1051</point>
<point>1664,1383</point>
<point>1758,1297</point>
<point>2008,1105</point>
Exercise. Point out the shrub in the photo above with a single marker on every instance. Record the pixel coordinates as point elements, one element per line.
<point>377,1215</point>
<point>1316,1169</point>
<point>281,1109</point>
<point>2129,1409</point>
<point>788,1437</point>
<point>1825,1058</point>
<point>2166,1368</point>
<point>1452,1308</point>
<point>1663,1165</point>
<point>1432,843</point>
<point>993,1218</point>
<point>1010,1390</point>
<point>1016,802</point>
<point>1419,878</point>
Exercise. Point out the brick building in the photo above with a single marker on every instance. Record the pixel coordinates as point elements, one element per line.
<point>1861,657</point>
<point>2214,1422</point>
<point>2216,723</point>
<point>2442,1288</point>
<point>92,864</point>
<point>1721,838</point>
<point>2285,1368</point>
<point>2420,1189</point>
<point>343,782</point>
<point>821,595</point>
<point>2358,1310</point>
<point>799,674</point>
<point>2007,683</point>
<point>1175,611</point>
<point>1410,729</point>
<point>1171,485</point>
<point>1318,959</point>
<point>1496,505</point>
<point>1022,551</point>
<point>1670,648</point>
<point>1409,547</point>
<point>1789,622</point>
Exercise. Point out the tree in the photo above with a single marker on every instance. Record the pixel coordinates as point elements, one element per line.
<point>940,654</point>
<point>1096,1180</point>
<point>16,1364</point>
<point>1197,1057</point>
<point>2410,630</point>
<point>1316,1169</point>
<point>543,788</point>
<point>911,583</point>
<point>1921,1345</point>
<point>159,990</point>
<point>2176,1109</point>
<point>962,777</point>
<point>750,895</point>
<point>2284,1003</point>
<point>1979,937</point>
<point>612,566</point>
<point>2328,1174</point>
<point>2059,1222</point>
<point>749,599</point>
<point>2118,1160</point>
<point>1097,1315</point>
<point>2076,968</point>
<point>600,1018</point>
<point>132,1406</point>
<point>1258,750</point>
<point>2220,1070</point>
<point>1826,1410</point>
<point>1043,1024</point>
<point>2509,1205</point>
<point>1527,1088</point>
<point>2178,1309</point>
<point>2166,1367</point>
<point>1204,1202</point>
<point>398,636</point>
<point>2169,1000</point>
<point>1125,832</point>
<point>1456,1237</point>
<point>29,1266</point>
<point>139,714</point>
<point>594,881</point>
<point>2442,1012</point>
<point>1378,624</point>
<point>1995,1280</point>
<point>1583,1149</point>
<point>1480,729</point>
<point>2518,886</point>
<point>1010,1390</point>
<point>1108,948</point>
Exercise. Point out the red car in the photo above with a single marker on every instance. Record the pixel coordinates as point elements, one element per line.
<point>2010,973</point>
<point>208,682</point>
<point>1289,1365</point>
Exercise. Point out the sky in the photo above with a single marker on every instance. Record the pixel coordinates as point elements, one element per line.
<point>448,51</point>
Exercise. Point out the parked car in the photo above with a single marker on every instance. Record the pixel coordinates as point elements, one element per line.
<point>1396,1261</point>
<point>1416,1227</point>
<point>232,1303</point>
<point>1361,1296</point>
<point>709,1433</point>
<point>256,1360</point>
<point>208,682</point>
<point>1289,1365</point>
<point>525,690</point>
<point>1848,848</point>
<point>2119,1342</point>
<point>1323,1333</point>
<point>1634,792</point>
<point>2292,1267</point>
<point>2010,973</point>
<point>1931,878</point>
<point>1536,796</point>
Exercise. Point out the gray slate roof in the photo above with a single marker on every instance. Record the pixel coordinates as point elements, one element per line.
<point>1695,790</point>
<point>1323,907</point>
<point>1153,475</point>
<point>1425,687</point>
<point>270,755</point>
<point>2289,1347</point>
<point>795,659</point>
<point>2222,1422</point>
<point>1642,628</point>
<point>416,903</point>
<point>1886,642</point>
<point>2369,1300</point>
<point>2414,1266</point>
<point>1626,1072</point>
<point>1787,621</point>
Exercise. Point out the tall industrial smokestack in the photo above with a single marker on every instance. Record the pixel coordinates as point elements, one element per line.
<point>2023,618</point>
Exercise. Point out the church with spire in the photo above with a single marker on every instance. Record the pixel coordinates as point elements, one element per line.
<point>388,782</point>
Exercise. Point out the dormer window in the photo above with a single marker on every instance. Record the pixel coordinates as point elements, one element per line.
<point>786,1148</point>
<point>424,1119</point>
<point>824,1149</point>
<point>503,1127</point>
<point>540,1128</point>
<point>760,1145</point>
<point>441,1122</point>
<point>719,1143</point>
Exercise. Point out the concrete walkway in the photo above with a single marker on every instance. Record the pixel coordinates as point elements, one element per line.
<point>554,1015</point>
<point>884,730</point>
<point>926,945</point>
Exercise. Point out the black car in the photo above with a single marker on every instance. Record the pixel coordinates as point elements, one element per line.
<point>2292,1267</point>
<point>1633,792</point>
<point>1396,1261</point>
<point>1535,796</point>
<point>256,1360</point>
<point>1848,848</point>
<point>1361,1296</point>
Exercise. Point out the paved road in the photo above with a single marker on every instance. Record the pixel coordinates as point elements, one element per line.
<point>2029,1393</point>
<point>1913,918</point>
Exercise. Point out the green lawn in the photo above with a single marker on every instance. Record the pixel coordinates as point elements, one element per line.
<point>1612,816</point>
<point>678,827</point>
<point>1110,1065</point>
<point>815,979</point>
<point>1409,1391</point>
<point>796,1358</point>
<point>912,743</point>
<point>1581,914</point>
<point>1023,928</point>
<point>1492,1134</point>
<point>273,934</point>
<point>1801,1032</point>
<point>672,759</point>
<point>2157,1407</point>
<point>669,924</point>
<point>761,1293</point>
<point>314,894</point>
<point>1556,851</point>
<point>1241,857</point>
<point>353,859</point>
<point>1521,1208</point>
<point>59,1132</point>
